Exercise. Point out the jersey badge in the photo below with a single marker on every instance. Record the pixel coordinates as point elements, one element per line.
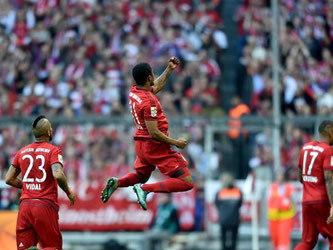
<point>153,111</point>
<point>61,159</point>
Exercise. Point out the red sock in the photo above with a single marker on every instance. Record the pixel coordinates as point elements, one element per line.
<point>168,186</point>
<point>130,179</point>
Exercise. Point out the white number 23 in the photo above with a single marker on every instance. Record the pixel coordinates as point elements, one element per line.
<point>40,167</point>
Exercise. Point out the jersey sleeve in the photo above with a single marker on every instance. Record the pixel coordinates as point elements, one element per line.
<point>56,157</point>
<point>16,161</point>
<point>150,110</point>
<point>328,159</point>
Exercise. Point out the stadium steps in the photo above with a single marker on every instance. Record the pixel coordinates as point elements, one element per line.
<point>229,57</point>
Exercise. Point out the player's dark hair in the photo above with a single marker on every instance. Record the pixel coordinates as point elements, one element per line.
<point>324,125</point>
<point>34,124</point>
<point>141,72</point>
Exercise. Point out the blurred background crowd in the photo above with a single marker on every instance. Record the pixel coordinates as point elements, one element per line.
<point>74,58</point>
<point>305,38</point>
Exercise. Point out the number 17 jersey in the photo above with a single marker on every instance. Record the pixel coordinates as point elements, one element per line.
<point>315,157</point>
<point>35,161</point>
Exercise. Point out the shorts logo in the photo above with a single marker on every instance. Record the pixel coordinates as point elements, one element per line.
<point>61,159</point>
<point>153,111</point>
<point>21,245</point>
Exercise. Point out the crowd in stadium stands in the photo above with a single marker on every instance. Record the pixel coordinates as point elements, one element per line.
<point>306,46</point>
<point>293,138</point>
<point>75,57</point>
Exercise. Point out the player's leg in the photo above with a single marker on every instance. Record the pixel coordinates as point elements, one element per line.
<point>128,180</point>
<point>47,226</point>
<point>310,232</point>
<point>25,234</point>
<point>172,164</point>
<point>179,182</point>
<point>142,174</point>
<point>183,183</point>
<point>326,230</point>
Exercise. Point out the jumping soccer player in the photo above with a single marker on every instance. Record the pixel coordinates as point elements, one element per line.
<point>152,143</point>
<point>316,173</point>
<point>41,166</point>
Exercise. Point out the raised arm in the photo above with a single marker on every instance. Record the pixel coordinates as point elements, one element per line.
<point>160,81</point>
<point>156,134</point>
<point>12,177</point>
<point>61,179</point>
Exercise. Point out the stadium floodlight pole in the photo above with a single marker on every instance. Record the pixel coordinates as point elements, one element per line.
<point>276,85</point>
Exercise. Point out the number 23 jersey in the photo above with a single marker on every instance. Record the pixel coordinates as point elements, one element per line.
<point>315,157</point>
<point>145,106</point>
<point>35,161</point>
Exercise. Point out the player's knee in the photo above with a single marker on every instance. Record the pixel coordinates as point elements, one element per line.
<point>189,186</point>
<point>188,181</point>
<point>143,178</point>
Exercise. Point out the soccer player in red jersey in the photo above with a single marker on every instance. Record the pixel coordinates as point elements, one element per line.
<point>41,166</point>
<point>152,143</point>
<point>316,173</point>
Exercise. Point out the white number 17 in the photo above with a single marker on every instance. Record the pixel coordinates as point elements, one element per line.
<point>313,158</point>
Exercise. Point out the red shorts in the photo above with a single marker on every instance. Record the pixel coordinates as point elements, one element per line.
<point>314,222</point>
<point>37,221</point>
<point>151,154</point>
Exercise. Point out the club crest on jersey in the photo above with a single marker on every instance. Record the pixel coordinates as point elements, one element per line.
<point>153,111</point>
<point>61,159</point>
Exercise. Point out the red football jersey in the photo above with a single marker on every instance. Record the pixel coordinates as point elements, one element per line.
<point>145,106</point>
<point>314,158</point>
<point>34,161</point>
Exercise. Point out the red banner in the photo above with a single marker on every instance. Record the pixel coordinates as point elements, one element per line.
<point>185,204</point>
<point>121,212</point>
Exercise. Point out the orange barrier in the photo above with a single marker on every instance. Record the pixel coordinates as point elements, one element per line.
<point>7,230</point>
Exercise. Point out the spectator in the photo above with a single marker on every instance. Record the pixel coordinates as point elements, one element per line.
<point>280,211</point>
<point>77,55</point>
<point>239,138</point>
<point>166,217</point>
<point>228,202</point>
<point>305,54</point>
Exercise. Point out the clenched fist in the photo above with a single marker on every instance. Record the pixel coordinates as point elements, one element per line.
<point>173,62</point>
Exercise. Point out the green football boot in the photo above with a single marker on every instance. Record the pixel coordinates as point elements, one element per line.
<point>142,196</point>
<point>32,248</point>
<point>111,186</point>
